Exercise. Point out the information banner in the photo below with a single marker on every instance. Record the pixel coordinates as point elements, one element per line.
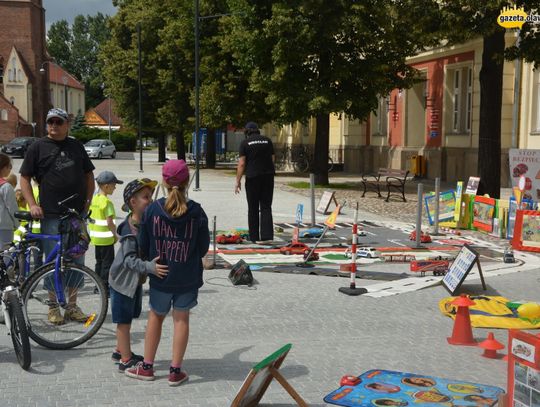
<point>526,163</point>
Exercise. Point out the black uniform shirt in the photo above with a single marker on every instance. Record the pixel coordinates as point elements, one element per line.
<point>258,151</point>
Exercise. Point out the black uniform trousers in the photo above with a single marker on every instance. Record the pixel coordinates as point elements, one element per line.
<point>260,192</point>
<point>104,260</point>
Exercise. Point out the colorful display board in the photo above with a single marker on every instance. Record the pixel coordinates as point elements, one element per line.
<point>526,163</point>
<point>460,268</point>
<point>527,231</point>
<point>389,388</point>
<point>523,369</point>
<point>484,210</point>
<point>447,206</point>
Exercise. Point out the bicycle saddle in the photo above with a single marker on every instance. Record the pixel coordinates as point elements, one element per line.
<point>23,215</point>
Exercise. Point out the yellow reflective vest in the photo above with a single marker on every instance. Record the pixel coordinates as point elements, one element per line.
<point>36,225</point>
<point>100,234</point>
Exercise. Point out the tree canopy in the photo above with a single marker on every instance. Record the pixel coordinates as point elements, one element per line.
<point>75,48</point>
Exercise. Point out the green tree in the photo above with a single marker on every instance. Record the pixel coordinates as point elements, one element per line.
<point>76,49</point>
<point>78,122</point>
<point>311,60</point>
<point>462,20</point>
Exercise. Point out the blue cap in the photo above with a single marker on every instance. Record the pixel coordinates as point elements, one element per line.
<point>251,126</point>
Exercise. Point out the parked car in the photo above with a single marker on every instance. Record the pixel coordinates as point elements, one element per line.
<point>18,146</point>
<point>368,252</point>
<point>294,248</point>
<point>98,148</point>
<point>313,232</point>
<point>228,239</point>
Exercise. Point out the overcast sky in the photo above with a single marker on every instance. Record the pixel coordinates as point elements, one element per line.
<point>67,9</point>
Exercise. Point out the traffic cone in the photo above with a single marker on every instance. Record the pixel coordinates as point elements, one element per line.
<point>462,332</point>
<point>491,346</point>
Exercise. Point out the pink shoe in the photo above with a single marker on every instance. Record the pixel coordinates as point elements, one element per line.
<point>137,372</point>
<point>177,377</point>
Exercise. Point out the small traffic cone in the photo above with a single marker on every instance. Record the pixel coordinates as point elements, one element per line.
<point>491,346</point>
<point>462,332</point>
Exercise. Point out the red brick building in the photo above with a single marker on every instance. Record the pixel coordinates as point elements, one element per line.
<point>24,92</point>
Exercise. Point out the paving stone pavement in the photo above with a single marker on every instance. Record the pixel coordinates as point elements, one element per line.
<point>233,328</point>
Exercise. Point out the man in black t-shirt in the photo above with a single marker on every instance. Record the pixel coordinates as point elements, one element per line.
<point>62,168</point>
<point>257,162</point>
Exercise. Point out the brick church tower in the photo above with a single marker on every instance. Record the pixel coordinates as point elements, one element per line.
<point>22,42</point>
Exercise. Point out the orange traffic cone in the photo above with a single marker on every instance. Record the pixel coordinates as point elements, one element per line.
<point>462,332</point>
<point>491,346</point>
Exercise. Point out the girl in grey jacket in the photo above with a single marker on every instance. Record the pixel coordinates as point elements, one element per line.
<point>8,203</point>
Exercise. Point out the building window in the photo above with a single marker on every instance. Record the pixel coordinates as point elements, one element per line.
<point>52,96</point>
<point>10,75</point>
<point>12,100</point>
<point>19,75</point>
<point>3,114</point>
<point>14,68</point>
<point>461,92</point>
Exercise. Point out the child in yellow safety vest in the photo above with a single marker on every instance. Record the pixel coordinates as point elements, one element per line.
<point>103,230</point>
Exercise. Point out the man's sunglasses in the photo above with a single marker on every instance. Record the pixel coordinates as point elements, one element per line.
<point>58,122</point>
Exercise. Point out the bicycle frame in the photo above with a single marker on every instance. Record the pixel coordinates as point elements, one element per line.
<point>55,255</point>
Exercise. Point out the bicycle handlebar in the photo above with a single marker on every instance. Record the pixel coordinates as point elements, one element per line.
<point>69,198</point>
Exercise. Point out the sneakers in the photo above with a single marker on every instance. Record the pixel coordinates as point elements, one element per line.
<point>177,377</point>
<point>117,357</point>
<point>122,366</point>
<point>74,313</point>
<point>54,316</point>
<point>137,372</point>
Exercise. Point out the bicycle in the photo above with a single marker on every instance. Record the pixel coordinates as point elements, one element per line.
<point>304,160</point>
<point>62,283</point>
<point>14,318</point>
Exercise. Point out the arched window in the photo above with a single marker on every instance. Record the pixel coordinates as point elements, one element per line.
<point>3,114</point>
<point>19,75</point>
<point>14,68</point>
<point>12,100</point>
<point>10,75</point>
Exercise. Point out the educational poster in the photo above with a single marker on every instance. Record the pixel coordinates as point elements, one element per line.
<point>388,388</point>
<point>447,206</point>
<point>472,185</point>
<point>525,204</point>
<point>484,210</point>
<point>523,369</point>
<point>530,230</point>
<point>526,163</point>
<point>460,268</point>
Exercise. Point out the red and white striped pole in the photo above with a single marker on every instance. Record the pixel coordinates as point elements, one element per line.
<point>353,248</point>
<point>352,290</point>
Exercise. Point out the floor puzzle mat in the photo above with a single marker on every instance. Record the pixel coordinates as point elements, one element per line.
<point>388,388</point>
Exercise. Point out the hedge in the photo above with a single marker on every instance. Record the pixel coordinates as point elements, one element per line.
<point>123,141</point>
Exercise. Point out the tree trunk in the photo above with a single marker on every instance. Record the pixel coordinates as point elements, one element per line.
<point>180,146</point>
<point>322,144</point>
<point>211,148</point>
<point>491,89</point>
<point>161,147</point>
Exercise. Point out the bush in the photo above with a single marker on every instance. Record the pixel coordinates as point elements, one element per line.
<point>123,140</point>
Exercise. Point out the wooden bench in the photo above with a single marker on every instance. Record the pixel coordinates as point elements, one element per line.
<point>393,179</point>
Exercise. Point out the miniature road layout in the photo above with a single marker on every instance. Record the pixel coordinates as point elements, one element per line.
<point>233,328</point>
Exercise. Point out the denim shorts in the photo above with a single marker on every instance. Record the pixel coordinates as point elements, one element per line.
<point>124,308</point>
<point>161,302</point>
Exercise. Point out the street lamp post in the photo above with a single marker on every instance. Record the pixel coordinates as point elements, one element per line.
<point>140,96</point>
<point>65,81</point>
<point>42,71</point>
<point>109,117</point>
<point>197,97</point>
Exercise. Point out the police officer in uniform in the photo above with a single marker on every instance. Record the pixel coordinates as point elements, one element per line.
<point>257,163</point>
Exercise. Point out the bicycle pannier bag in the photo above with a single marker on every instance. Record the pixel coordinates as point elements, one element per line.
<point>76,237</point>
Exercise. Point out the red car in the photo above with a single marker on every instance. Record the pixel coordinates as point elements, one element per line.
<point>424,237</point>
<point>295,248</point>
<point>228,239</point>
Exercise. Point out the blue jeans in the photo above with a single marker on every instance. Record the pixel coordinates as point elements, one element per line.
<point>161,302</point>
<point>72,279</point>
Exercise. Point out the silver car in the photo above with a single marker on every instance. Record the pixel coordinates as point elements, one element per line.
<point>100,148</point>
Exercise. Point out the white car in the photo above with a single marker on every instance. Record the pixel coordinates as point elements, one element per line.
<point>99,148</point>
<point>368,252</point>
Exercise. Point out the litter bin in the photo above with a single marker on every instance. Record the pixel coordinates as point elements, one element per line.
<point>418,165</point>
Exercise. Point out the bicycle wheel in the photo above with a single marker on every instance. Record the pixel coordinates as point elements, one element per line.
<point>82,288</point>
<point>330,164</point>
<point>301,165</point>
<point>19,331</point>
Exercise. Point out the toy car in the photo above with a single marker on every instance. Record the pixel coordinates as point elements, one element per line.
<point>228,239</point>
<point>368,252</point>
<point>361,233</point>
<point>508,256</point>
<point>424,237</point>
<point>314,256</point>
<point>294,248</point>
<point>313,232</point>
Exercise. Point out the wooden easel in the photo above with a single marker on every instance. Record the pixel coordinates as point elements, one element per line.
<point>326,199</point>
